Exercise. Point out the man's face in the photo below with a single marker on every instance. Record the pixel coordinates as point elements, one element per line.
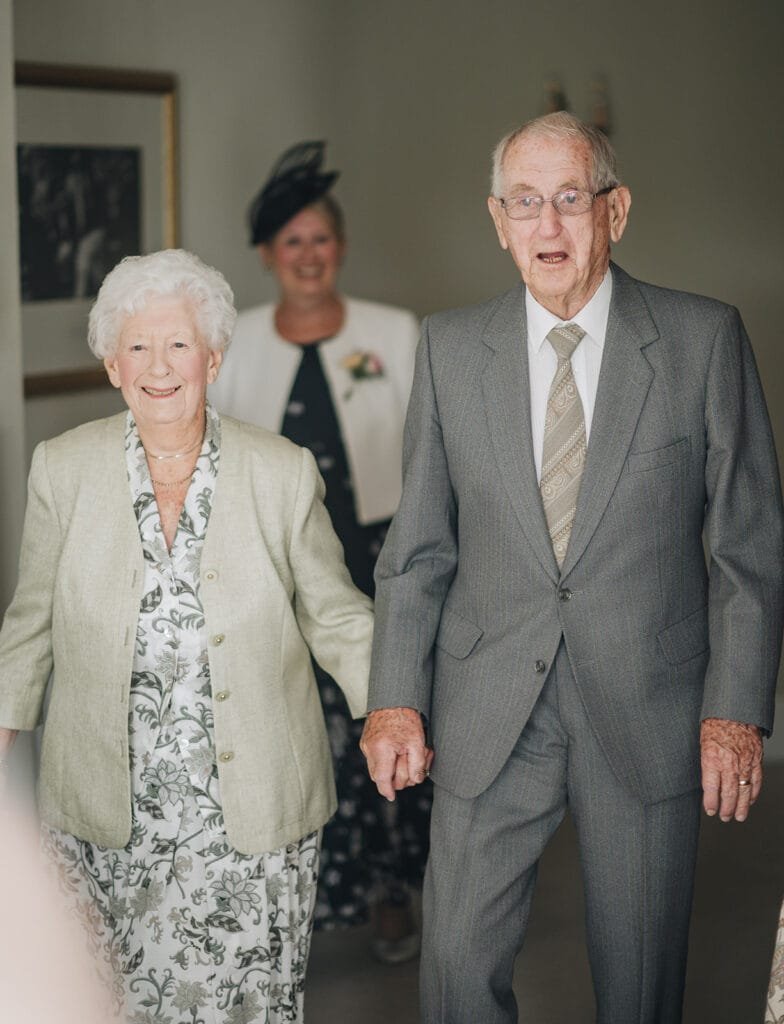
<point>562,259</point>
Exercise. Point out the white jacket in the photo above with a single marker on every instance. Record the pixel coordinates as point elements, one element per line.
<point>259,370</point>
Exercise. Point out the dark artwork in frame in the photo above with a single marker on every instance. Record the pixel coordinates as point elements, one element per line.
<point>79,214</point>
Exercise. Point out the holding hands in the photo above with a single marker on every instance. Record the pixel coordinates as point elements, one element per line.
<point>393,742</point>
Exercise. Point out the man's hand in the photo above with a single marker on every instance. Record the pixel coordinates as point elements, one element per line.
<point>393,741</point>
<point>731,753</point>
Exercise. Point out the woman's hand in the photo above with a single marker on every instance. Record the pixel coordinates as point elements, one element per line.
<point>7,737</point>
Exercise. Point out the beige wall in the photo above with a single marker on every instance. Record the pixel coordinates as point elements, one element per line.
<point>12,456</point>
<point>12,463</point>
<point>412,95</point>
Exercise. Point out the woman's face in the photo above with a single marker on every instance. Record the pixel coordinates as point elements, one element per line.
<point>162,364</point>
<point>305,256</point>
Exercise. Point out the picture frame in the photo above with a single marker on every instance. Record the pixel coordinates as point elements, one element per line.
<point>75,122</point>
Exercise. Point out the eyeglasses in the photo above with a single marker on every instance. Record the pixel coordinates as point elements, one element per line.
<point>569,203</point>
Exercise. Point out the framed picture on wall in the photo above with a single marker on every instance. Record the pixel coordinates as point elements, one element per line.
<point>97,180</point>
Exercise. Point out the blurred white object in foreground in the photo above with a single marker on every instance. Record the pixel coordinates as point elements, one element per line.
<point>46,975</point>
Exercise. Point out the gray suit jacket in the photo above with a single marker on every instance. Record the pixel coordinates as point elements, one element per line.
<point>470,606</point>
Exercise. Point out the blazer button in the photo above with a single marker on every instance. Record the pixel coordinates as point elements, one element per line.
<point>218,639</point>
<point>227,755</point>
<point>564,594</point>
<point>210,575</point>
<point>221,695</point>
<point>540,666</point>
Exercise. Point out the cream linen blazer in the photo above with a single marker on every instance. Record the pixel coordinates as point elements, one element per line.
<point>274,587</point>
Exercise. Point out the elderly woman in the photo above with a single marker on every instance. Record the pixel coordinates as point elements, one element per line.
<point>333,373</point>
<point>177,570</point>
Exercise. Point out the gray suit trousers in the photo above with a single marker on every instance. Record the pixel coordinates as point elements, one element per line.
<point>637,863</point>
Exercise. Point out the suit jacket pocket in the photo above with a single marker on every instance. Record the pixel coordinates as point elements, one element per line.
<point>456,635</point>
<point>637,462</point>
<point>685,639</point>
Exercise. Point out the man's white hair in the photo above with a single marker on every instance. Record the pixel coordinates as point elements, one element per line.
<point>136,280</point>
<point>560,127</point>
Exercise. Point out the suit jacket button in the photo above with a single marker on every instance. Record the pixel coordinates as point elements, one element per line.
<point>564,594</point>
<point>227,755</point>
<point>218,639</point>
<point>540,665</point>
<point>221,695</point>
<point>210,575</point>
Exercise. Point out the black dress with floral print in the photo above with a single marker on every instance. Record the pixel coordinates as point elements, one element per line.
<point>370,846</point>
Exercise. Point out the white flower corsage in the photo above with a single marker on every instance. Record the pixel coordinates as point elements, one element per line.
<point>362,366</point>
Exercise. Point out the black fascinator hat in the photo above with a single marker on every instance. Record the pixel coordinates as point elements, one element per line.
<point>296,181</point>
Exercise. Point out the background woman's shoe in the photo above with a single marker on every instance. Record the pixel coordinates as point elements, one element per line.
<point>396,935</point>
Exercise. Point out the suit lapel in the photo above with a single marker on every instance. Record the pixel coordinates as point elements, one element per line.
<point>624,381</point>
<point>506,390</point>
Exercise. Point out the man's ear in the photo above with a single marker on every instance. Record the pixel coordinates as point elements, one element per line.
<point>619,201</point>
<point>497,213</point>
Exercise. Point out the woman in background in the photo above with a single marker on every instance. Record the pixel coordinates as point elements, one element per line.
<point>333,374</point>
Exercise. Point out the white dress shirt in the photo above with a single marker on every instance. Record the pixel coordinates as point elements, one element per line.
<point>586,359</point>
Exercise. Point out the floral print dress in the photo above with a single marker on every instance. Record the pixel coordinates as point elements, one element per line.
<point>774,1013</point>
<point>370,849</point>
<point>184,927</point>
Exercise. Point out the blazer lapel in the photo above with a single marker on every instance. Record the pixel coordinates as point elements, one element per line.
<point>624,381</point>
<point>114,529</point>
<point>111,481</point>
<point>506,390</point>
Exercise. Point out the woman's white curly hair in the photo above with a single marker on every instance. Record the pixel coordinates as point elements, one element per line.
<point>128,288</point>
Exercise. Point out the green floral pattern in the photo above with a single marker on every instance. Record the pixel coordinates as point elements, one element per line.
<point>775,1007</point>
<point>184,928</point>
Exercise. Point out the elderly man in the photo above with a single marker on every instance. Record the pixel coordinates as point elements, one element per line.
<point>543,601</point>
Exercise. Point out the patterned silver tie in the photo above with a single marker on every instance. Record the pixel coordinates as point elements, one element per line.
<point>563,452</point>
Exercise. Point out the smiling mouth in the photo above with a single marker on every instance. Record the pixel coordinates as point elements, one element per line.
<point>552,258</point>
<point>161,392</point>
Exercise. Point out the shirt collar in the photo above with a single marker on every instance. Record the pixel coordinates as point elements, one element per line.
<point>592,317</point>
